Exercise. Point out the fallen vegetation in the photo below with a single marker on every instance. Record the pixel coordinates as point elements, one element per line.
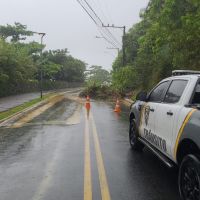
<point>101,92</point>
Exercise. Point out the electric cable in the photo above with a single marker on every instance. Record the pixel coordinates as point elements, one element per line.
<point>111,35</point>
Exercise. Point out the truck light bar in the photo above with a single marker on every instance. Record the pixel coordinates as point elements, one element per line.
<point>184,72</point>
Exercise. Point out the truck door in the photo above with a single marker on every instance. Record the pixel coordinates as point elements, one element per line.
<point>168,113</point>
<point>149,111</point>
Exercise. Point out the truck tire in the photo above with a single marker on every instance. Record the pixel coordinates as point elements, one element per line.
<point>133,137</point>
<point>189,178</point>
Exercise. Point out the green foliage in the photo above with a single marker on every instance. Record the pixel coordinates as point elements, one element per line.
<point>98,81</point>
<point>21,63</point>
<point>167,38</point>
<point>61,66</point>
<point>124,79</point>
<point>15,63</point>
<point>17,32</point>
<point>97,91</point>
<point>96,75</point>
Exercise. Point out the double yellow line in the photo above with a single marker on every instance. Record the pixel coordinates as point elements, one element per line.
<point>105,194</point>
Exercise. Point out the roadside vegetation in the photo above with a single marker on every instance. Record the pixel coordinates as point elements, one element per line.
<point>98,84</point>
<point>12,111</point>
<point>21,63</point>
<point>167,38</point>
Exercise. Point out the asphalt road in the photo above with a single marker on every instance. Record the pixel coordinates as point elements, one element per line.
<point>16,100</point>
<point>63,154</point>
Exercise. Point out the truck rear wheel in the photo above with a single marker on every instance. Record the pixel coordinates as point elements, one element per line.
<point>133,137</point>
<point>189,178</point>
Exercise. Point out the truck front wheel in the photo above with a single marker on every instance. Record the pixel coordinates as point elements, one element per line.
<point>189,178</point>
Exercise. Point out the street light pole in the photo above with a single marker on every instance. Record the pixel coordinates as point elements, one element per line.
<point>41,74</point>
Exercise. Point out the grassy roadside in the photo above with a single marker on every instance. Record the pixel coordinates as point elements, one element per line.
<point>12,111</point>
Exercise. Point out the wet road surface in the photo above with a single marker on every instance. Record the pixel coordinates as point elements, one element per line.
<point>64,154</point>
<point>16,100</point>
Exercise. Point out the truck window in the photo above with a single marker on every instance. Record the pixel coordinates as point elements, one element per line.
<point>196,97</point>
<point>158,93</point>
<point>175,91</point>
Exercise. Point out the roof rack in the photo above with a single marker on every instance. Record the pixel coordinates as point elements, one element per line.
<point>184,72</point>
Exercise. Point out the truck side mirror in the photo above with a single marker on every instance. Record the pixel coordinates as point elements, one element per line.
<point>141,96</point>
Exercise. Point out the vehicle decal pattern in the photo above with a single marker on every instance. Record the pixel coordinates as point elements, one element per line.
<point>141,115</point>
<point>187,118</point>
<point>146,114</point>
<point>155,140</point>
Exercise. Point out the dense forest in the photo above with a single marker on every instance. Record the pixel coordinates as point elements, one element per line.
<point>166,38</point>
<point>21,63</point>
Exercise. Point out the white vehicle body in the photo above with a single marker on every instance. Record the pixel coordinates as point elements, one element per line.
<point>162,123</point>
<point>167,121</point>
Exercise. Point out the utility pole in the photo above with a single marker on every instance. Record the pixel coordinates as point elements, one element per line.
<point>41,72</point>
<point>123,40</point>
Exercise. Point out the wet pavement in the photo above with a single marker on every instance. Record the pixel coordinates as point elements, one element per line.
<point>16,100</point>
<point>64,155</point>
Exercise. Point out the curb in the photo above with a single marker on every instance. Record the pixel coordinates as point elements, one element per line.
<point>21,113</point>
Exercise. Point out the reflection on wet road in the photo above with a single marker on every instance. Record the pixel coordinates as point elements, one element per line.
<point>62,154</point>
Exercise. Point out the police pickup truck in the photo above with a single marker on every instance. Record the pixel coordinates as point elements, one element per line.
<point>167,121</point>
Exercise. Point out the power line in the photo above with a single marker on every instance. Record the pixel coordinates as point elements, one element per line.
<point>87,12</point>
<point>101,21</point>
<point>123,47</point>
<point>113,44</point>
<point>108,33</point>
<point>106,52</point>
<point>95,22</point>
<point>102,4</point>
<point>99,5</point>
<point>93,11</point>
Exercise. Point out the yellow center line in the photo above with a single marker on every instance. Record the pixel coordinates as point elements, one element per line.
<point>105,193</point>
<point>87,164</point>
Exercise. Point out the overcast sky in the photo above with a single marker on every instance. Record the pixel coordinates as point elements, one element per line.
<point>68,26</point>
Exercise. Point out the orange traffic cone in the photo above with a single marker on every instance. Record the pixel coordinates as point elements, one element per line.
<point>87,103</point>
<point>117,107</point>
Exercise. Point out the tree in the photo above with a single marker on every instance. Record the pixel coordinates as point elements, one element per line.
<point>167,38</point>
<point>125,79</point>
<point>21,63</point>
<point>66,67</point>
<point>17,32</point>
<point>97,75</point>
